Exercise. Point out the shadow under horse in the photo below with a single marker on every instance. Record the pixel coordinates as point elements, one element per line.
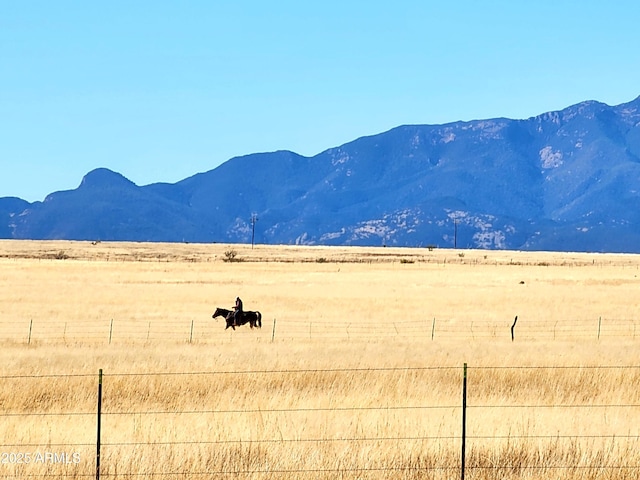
<point>254,319</point>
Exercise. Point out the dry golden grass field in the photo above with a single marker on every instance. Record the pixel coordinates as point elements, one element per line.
<point>357,371</point>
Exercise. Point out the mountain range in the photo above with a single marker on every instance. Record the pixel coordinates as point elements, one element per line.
<point>567,180</point>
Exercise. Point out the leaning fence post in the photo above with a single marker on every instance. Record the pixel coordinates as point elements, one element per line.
<point>464,421</point>
<point>30,327</point>
<point>99,425</point>
<point>599,324</point>
<point>433,327</point>
<point>273,334</point>
<point>191,334</point>
<point>110,331</point>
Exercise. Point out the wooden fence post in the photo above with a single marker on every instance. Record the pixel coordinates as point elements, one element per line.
<point>110,331</point>
<point>273,334</point>
<point>30,327</point>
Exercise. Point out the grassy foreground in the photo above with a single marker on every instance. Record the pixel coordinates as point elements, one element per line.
<point>356,373</point>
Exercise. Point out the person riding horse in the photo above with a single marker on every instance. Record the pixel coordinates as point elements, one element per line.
<point>237,311</point>
<point>238,316</point>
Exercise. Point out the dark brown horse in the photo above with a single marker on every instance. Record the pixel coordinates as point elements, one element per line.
<point>254,319</point>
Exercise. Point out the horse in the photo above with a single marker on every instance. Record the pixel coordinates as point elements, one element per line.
<point>254,319</point>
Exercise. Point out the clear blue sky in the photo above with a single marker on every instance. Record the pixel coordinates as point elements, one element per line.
<point>161,90</point>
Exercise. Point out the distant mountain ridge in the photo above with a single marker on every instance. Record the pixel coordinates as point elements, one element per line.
<point>567,180</point>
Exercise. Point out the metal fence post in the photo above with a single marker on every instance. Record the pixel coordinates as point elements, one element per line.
<point>99,423</point>
<point>464,422</point>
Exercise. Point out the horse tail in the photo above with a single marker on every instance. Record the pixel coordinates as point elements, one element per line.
<point>259,315</point>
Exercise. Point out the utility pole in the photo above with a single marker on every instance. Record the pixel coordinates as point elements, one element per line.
<point>254,219</point>
<point>455,232</point>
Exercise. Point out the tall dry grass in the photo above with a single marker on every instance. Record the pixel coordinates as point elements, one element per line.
<point>353,384</point>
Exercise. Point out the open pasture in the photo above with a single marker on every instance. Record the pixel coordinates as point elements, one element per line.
<point>356,373</point>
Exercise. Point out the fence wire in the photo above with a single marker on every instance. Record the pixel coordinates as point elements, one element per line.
<point>120,456</point>
<point>129,331</point>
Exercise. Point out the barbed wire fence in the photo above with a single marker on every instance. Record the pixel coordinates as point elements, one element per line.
<point>194,331</point>
<point>481,433</point>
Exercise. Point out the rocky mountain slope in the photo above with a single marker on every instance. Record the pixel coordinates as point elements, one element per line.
<point>566,180</point>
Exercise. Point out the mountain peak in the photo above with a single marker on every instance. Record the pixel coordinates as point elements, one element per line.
<point>103,177</point>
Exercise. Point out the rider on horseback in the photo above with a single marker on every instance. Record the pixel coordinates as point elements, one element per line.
<point>238,311</point>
